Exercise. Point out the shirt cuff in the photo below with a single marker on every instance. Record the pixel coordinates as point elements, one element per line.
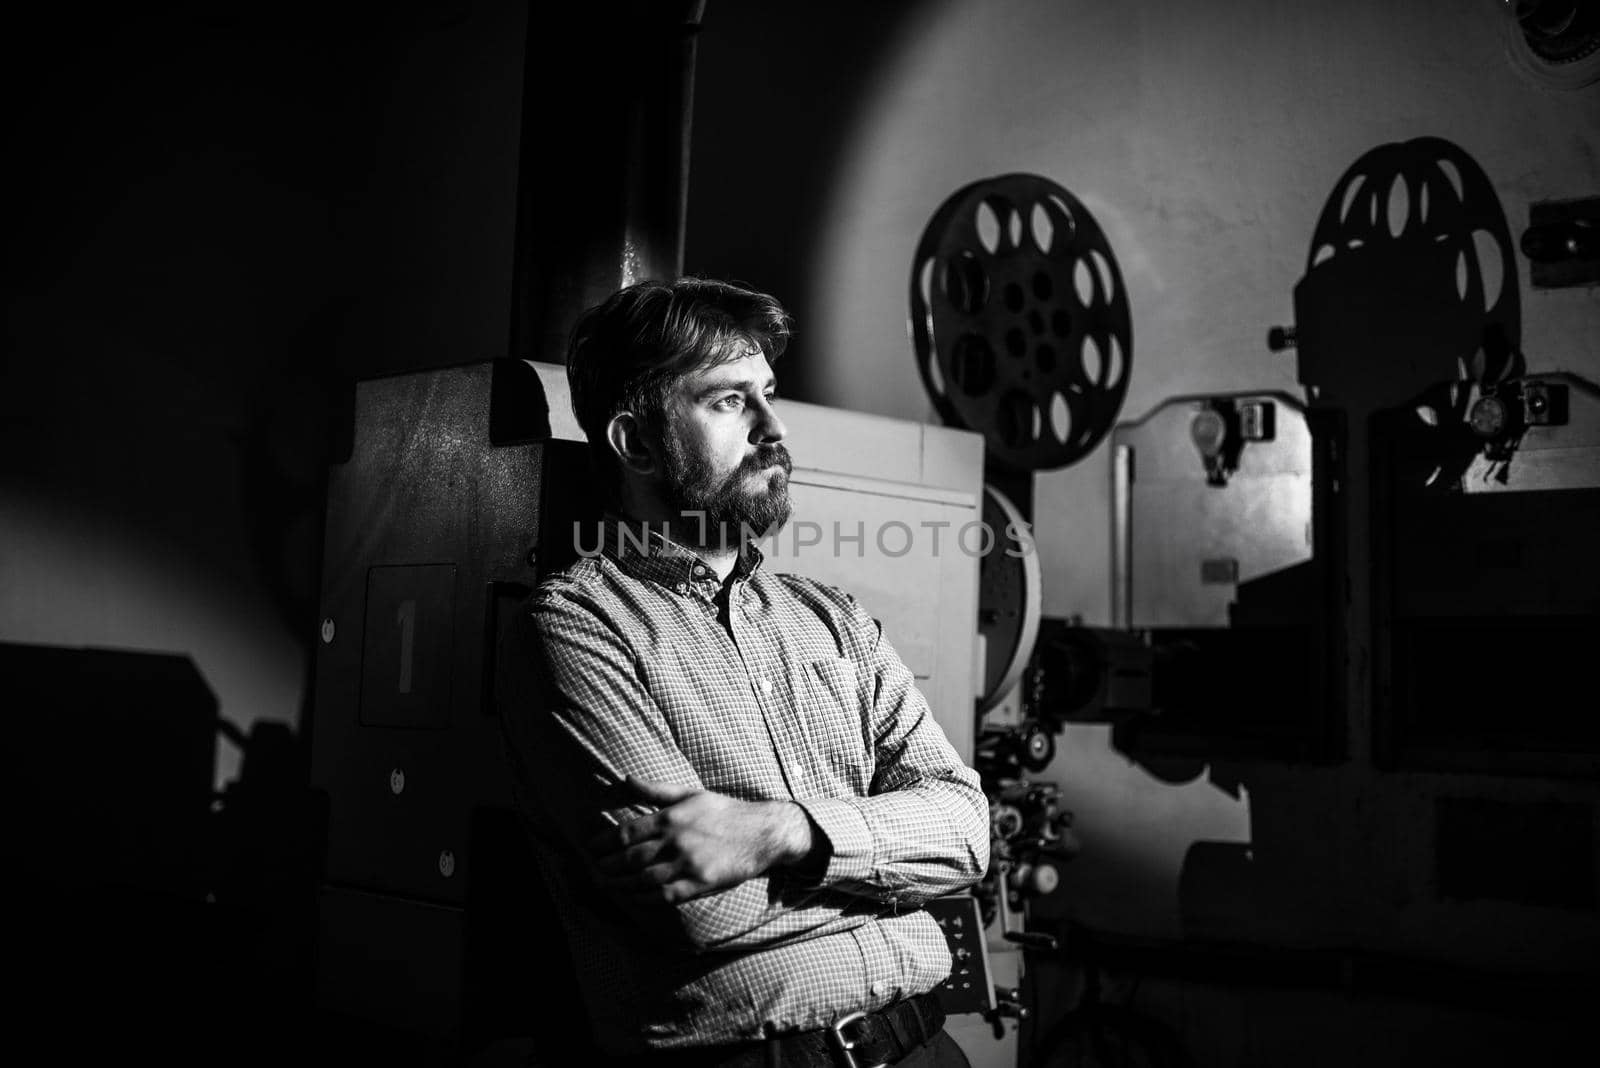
<point>848,835</point>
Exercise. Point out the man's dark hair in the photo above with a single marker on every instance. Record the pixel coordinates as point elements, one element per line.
<point>627,352</point>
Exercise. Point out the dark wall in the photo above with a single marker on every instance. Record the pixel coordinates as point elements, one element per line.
<point>219,216</point>
<point>778,91</point>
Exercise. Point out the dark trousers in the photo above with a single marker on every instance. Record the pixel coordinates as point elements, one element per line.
<point>940,1051</point>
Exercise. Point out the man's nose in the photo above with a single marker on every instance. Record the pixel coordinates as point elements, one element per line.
<point>769,429</point>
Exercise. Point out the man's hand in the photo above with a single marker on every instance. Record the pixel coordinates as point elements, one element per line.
<point>698,842</point>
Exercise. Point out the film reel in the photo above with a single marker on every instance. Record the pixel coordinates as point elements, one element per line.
<point>1020,320</point>
<point>1010,594</point>
<point>1428,203</point>
<point>1417,233</point>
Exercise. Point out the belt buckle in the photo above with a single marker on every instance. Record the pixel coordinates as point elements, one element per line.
<point>845,1046</point>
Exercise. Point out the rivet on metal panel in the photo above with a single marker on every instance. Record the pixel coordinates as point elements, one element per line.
<point>327,631</point>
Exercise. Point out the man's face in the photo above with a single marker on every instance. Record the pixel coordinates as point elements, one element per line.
<point>721,452</point>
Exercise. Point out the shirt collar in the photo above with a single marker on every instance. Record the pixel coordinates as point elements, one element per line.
<point>644,552</point>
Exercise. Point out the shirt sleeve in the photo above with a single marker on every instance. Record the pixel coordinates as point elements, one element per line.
<point>923,829</point>
<point>577,719</point>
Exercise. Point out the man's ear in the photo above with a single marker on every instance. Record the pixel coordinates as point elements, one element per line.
<point>625,434</point>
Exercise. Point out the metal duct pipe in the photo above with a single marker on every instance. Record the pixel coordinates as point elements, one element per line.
<point>604,175</point>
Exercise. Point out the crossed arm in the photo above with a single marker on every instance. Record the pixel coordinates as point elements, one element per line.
<point>596,749</point>
<point>698,841</point>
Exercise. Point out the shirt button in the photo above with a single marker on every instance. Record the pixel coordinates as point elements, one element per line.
<point>876,989</point>
<point>682,587</point>
<point>700,571</point>
<point>766,686</point>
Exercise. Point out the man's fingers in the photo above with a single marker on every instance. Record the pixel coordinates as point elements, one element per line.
<point>626,834</point>
<point>631,859</point>
<point>681,890</point>
<point>641,828</point>
<point>664,855</point>
<point>658,793</point>
<point>673,893</point>
<point>659,874</point>
<point>646,881</point>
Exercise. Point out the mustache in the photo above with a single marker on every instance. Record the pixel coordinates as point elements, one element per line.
<point>767,456</point>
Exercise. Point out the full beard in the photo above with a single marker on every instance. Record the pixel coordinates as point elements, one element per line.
<point>723,513</point>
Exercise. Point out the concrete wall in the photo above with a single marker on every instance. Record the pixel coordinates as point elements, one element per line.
<point>1203,137</point>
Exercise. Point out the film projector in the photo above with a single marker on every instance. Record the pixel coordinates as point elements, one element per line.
<point>1221,527</point>
<point>1021,329</point>
<point>1484,474</point>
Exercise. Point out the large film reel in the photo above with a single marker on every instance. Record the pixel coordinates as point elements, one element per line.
<point>1020,320</point>
<point>1413,236</point>
<point>1425,205</point>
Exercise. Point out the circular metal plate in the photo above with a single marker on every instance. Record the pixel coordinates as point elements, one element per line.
<point>1009,598</point>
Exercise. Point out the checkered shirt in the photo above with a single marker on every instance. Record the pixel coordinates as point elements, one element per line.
<point>629,663</point>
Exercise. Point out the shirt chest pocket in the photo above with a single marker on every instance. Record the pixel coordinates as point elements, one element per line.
<point>835,720</point>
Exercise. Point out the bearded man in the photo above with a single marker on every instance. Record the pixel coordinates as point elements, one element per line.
<point>739,798</point>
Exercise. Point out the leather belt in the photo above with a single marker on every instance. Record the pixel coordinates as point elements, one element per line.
<point>858,1040</point>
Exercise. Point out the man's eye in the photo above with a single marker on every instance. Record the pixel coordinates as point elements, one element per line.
<point>731,401</point>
